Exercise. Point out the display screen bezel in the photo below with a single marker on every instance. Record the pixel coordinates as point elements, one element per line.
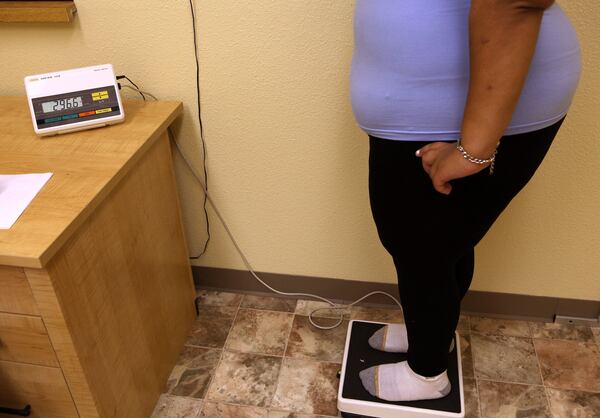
<point>64,99</point>
<point>101,102</point>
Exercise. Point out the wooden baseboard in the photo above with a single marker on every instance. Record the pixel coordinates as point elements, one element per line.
<point>491,304</point>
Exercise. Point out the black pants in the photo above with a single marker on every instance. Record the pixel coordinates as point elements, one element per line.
<point>431,236</point>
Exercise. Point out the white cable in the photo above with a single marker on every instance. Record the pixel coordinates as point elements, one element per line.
<point>243,256</point>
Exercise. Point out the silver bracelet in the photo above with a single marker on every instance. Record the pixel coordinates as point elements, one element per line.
<point>475,160</point>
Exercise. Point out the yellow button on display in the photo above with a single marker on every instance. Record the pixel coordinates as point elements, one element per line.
<point>107,109</point>
<point>100,95</point>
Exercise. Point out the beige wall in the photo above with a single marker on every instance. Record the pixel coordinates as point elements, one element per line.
<point>287,164</point>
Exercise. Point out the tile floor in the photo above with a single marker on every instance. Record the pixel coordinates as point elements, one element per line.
<point>258,357</point>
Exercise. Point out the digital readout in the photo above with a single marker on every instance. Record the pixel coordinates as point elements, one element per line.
<point>60,104</point>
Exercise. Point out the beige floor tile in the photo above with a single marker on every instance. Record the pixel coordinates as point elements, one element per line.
<point>220,410</point>
<point>505,359</point>
<point>471,398</point>
<point>212,326</point>
<point>305,307</point>
<point>508,400</point>
<point>464,323</point>
<point>306,341</point>
<point>494,326</point>
<point>561,331</point>
<point>176,407</point>
<point>596,332</point>
<point>263,332</point>
<point>384,315</point>
<point>466,354</point>
<point>214,298</point>
<point>569,364</point>
<point>245,379</point>
<point>269,303</point>
<point>307,386</point>
<point>193,371</point>
<point>573,404</point>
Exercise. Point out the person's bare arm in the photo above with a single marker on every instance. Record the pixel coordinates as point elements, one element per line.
<point>502,39</point>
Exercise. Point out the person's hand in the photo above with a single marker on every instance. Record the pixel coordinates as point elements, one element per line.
<point>443,162</point>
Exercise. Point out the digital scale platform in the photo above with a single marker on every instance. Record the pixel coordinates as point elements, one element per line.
<point>355,402</point>
<point>73,100</point>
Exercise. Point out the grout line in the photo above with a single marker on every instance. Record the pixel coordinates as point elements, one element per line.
<point>548,403</point>
<point>530,328</point>
<point>471,350</point>
<point>479,408</point>
<point>287,340</point>
<point>240,405</point>
<point>468,318</point>
<point>508,382</point>
<point>214,373</point>
<point>265,310</point>
<point>500,335</point>
<point>538,362</point>
<point>168,395</point>
<point>199,413</point>
<point>296,413</point>
<point>497,334</point>
<point>544,387</point>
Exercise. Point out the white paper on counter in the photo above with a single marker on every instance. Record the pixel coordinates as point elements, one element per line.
<point>16,193</point>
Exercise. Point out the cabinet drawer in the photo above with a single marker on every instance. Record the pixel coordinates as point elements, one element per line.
<point>24,339</point>
<point>44,388</point>
<point>16,295</point>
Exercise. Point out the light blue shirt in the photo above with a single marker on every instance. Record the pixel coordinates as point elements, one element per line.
<point>410,70</point>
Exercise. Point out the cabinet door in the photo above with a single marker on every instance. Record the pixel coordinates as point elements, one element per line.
<point>44,388</point>
<point>24,339</point>
<point>15,293</point>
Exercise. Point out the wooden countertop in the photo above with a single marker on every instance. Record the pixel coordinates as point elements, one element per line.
<point>86,166</point>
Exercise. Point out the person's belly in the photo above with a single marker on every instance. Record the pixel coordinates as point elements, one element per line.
<point>410,70</point>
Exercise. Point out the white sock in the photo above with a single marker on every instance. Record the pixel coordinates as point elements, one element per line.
<point>397,382</point>
<point>393,339</point>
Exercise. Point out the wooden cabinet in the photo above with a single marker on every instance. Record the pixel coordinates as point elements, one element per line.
<point>44,388</point>
<point>96,293</point>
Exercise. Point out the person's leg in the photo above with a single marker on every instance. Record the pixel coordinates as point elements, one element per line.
<point>465,266</point>
<point>393,338</point>
<point>413,222</point>
<point>418,227</point>
<point>435,232</point>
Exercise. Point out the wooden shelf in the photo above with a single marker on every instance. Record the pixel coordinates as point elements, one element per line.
<point>37,11</point>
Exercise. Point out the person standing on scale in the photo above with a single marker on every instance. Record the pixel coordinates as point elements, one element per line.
<point>461,101</point>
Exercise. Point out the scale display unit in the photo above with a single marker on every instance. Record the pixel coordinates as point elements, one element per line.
<point>73,100</point>
<point>355,402</point>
